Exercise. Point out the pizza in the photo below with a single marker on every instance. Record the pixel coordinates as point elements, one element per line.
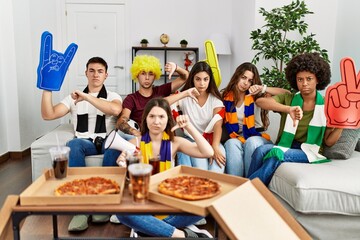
<point>189,187</point>
<point>88,186</point>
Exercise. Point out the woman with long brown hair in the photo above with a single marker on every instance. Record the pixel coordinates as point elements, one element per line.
<point>244,121</point>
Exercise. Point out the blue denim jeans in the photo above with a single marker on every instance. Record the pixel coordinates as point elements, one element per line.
<point>202,163</point>
<point>80,148</point>
<point>238,154</point>
<point>265,169</point>
<point>155,227</point>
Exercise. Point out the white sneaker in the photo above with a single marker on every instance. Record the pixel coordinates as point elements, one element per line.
<point>133,234</point>
<point>201,222</point>
<point>114,219</point>
<point>199,232</point>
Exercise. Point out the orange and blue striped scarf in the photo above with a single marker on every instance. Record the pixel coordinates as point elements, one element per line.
<point>165,150</point>
<point>231,119</point>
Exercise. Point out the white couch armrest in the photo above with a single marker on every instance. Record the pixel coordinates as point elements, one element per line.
<point>40,156</point>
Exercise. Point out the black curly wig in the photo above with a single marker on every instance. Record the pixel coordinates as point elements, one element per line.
<point>309,62</point>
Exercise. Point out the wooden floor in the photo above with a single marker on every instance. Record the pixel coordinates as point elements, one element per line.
<point>15,176</point>
<point>40,228</point>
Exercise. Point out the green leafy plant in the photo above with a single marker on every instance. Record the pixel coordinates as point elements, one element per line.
<point>272,42</point>
<point>144,41</point>
<point>183,42</point>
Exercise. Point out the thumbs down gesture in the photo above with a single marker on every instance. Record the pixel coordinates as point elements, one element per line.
<point>342,100</point>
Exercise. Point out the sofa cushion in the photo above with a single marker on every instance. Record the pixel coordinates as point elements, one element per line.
<point>345,146</point>
<point>94,160</point>
<point>331,187</point>
<point>40,156</point>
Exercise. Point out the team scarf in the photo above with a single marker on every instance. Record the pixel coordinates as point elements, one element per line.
<point>315,133</point>
<point>82,126</point>
<point>165,150</point>
<point>231,119</point>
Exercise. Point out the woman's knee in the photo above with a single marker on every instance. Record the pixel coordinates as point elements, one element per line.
<point>232,143</point>
<point>183,159</point>
<point>254,142</point>
<point>202,163</point>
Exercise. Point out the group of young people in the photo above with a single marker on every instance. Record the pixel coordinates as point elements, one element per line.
<point>241,109</point>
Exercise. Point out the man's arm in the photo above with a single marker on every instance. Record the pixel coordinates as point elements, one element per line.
<point>113,107</point>
<point>48,110</point>
<point>179,81</point>
<point>123,125</point>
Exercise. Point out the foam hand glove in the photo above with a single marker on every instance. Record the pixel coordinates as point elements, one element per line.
<point>342,100</point>
<point>53,65</point>
<point>212,60</point>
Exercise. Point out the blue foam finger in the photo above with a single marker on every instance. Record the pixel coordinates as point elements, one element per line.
<point>53,65</point>
<point>45,49</point>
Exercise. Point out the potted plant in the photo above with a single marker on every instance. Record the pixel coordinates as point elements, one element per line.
<point>183,43</point>
<point>272,42</point>
<point>144,42</point>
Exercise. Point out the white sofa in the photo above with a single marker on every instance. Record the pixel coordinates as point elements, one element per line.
<point>324,198</point>
<point>40,156</point>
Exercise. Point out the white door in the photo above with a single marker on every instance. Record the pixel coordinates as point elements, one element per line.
<point>98,30</point>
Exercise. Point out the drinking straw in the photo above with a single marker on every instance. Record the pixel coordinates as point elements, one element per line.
<point>57,140</point>
<point>58,144</point>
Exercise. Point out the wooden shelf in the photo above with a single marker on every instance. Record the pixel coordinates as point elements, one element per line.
<point>194,49</point>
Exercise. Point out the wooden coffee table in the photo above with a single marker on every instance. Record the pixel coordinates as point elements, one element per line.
<point>125,207</point>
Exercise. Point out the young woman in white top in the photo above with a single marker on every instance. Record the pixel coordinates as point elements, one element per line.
<point>201,108</point>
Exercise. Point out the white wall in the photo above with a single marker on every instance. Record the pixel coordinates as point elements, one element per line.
<point>347,35</point>
<point>192,20</point>
<point>243,22</point>
<point>23,21</point>
<point>9,118</point>
<point>25,74</point>
<point>44,18</point>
